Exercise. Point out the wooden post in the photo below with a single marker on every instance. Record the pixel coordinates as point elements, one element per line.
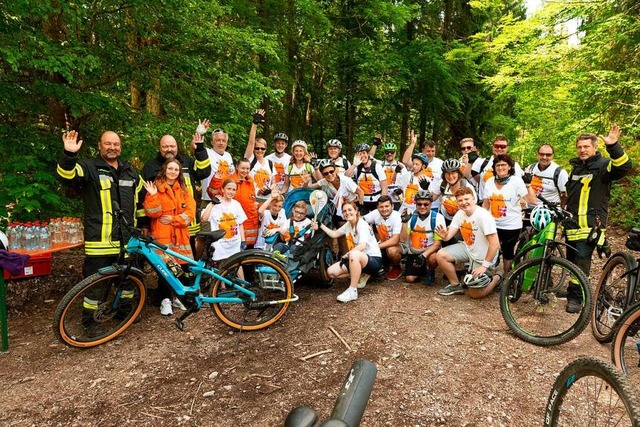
<point>4,345</point>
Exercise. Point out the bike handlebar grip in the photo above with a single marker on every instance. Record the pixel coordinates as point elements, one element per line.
<point>334,423</point>
<point>302,416</point>
<point>354,394</point>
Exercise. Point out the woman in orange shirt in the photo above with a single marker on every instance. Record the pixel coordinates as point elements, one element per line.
<point>171,208</point>
<point>246,195</point>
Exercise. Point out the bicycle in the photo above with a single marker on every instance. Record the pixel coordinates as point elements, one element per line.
<point>247,292</point>
<point>529,297</point>
<point>590,392</point>
<point>617,289</point>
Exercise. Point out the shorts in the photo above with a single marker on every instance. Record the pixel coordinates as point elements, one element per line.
<point>373,267</point>
<point>460,254</point>
<point>508,240</point>
<point>411,269</point>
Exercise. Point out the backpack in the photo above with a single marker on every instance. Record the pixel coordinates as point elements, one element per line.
<point>556,174</point>
<point>414,219</point>
<point>307,166</point>
<point>361,168</point>
<point>255,160</point>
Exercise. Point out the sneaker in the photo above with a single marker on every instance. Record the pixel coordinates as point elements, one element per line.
<point>176,303</point>
<point>364,277</point>
<point>394,273</point>
<point>165,307</point>
<point>456,289</point>
<point>430,278</point>
<point>351,294</point>
<point>573,306</point>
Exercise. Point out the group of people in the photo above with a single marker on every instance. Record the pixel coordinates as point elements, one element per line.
<point>433,214</point>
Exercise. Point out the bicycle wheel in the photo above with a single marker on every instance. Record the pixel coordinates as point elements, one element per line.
<point>611,295</point>
<point>98,309</point>
<point>267,279</point>
<point>625,350</point>
<point>589,392</point>
<point>327,258</point>
<point>542,319</point>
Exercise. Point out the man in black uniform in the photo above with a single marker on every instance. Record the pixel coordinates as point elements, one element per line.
<point>588,193</point>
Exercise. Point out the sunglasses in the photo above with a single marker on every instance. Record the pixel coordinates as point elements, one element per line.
<point>389,152</point>
<point>422,205</point>
<point>260,149</point>
<point>469,148</point>
<point>500,146</point>
<point>327,173</point>
<point>545,154</point>
<point>219,130</point>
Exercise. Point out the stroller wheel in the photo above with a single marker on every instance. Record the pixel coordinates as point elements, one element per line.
<point>327,258</point>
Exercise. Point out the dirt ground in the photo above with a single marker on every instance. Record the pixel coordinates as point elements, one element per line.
<point>441,361</point>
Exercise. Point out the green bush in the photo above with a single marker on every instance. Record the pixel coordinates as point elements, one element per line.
<point>624,206</point>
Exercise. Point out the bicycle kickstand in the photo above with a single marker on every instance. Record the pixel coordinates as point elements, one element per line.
<point>180,320</point>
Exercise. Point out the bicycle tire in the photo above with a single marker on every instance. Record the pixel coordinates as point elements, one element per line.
<point>624,350</point>
<point>610,295</point>
<point>589,392</point>
<point>543,321</point>
<point>75,326</point>
<point>327,258</point>
<point>279,287</point>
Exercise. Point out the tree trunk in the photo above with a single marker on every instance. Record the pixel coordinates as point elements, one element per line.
<point>54,28</point>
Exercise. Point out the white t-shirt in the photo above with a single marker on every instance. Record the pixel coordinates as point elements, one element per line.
<point>474,230</point>
<point>219,162</point>
<point>295,173</point>
<point>434,169</point>
<point>411,185</point>
<point>227,216</point>
<point>504,203</point>
<point>346,191</point>
<point>341,163</point>
<point>543,184</point>
<point>280,166</point>
<point>392,178</point>
<point>487,172</point>
<point>262,174</point>
<point>421,236</point>
<point>361,234</point>
<point>386,227</point>
<point>268,223</point>
<point>368,182</point>
<point>297,227</point>
<point>448,202</point>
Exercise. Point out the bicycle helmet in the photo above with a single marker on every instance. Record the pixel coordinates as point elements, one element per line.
<point>280,135</point>
<point>363,147</point>
<point>299,143</point>
<point>334,143</point>
<point>540,217</point>
<point>451,165</point>
<point>422,157</point>
<point>390,146</point>
<point>423,195</point>
<point>325,163</point>
<point>479,282</point>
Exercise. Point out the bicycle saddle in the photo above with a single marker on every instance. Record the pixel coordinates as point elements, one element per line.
<point>212,236</point>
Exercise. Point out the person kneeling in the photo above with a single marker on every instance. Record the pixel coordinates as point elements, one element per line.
<point>364,257</point>
<point>423,244</point>
<point>479,247</point>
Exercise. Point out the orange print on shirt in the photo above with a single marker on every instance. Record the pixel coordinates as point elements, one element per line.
<point>279,167</point>
<point>536,184</point>
<point>224,169</point>
<point>388,172</point>
<point>498,207</point>
<point>296,181</point>
<point>410,192</point>
<point>367,184</point>
<point>350,243</point>
<point>262,178</point>
<point>383,232</point>
<point>419,238</point>
<point>466,229</point>
<point>428,172</point>
<point>450,205</point>
<point>488,174</point>
<point>229,225</point>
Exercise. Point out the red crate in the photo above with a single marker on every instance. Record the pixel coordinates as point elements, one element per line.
<point>38,265</point>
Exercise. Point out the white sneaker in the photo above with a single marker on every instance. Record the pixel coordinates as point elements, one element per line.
<point>364,277</point>
<point>176,303</point>
<point>351,294</point>
<point>165,307</point>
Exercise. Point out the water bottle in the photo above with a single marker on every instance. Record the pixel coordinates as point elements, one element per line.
<point>45,236</point>
<point>28,236</point>
<point>12,235</point>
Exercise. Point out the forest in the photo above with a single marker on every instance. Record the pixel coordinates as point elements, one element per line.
<point>321,69</point>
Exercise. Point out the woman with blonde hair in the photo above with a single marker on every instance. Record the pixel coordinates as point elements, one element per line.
<point>299,171</point>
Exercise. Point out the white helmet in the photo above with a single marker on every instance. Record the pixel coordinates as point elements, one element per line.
<point>479,282</point>
<point>540,217</point>
<point>299,143</point>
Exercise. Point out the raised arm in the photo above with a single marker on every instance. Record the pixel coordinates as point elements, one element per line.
<point>258,119</point>
<point>406,158</point>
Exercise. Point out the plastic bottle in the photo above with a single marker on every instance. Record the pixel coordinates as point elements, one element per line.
<point>12,235</point>
<point>45,236</point>
<point>28,236</point>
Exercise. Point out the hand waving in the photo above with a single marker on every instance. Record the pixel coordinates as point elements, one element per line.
<point>614,135</point>
<point>71,142</point>
<point>151,188</point>
<point>203,126</point>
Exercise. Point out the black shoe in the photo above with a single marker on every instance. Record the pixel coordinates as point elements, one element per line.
<point>573,306</point>
<point>94,330</point>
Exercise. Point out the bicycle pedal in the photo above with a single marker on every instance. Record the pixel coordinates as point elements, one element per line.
<point>179,324</point>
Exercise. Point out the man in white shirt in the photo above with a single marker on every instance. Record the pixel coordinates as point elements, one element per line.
<point>482,169</point>
<point>546,177</point>
<point>387,224</point>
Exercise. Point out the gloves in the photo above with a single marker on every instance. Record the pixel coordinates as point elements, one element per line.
<point>405,217</point>
<point>361,209</point>
<point>398,168</point>
<point>424,184</point>
<point>201,129</point>
<point>604,250</point>
<point>314,160</point>
<point>243,246</point>
<point>397,192</point>
<point>419,262</point>
<point>356,160</point>
<point>527,177</point>
<point>377,141</point>
<point>258,119</point>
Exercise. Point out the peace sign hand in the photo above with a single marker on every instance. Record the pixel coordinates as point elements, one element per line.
<point>71,143</point>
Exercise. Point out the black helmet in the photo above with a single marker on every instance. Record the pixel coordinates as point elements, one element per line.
<point>423,195</point>
<point>280,135</point>
<point>363,147</point>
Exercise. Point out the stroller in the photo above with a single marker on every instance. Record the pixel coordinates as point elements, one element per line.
<point>311,254</point>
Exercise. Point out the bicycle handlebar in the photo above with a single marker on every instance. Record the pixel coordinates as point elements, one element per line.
<point>555,207</point>
<point>146,238</point>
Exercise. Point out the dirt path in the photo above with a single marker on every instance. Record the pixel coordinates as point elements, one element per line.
<point>441,361</point>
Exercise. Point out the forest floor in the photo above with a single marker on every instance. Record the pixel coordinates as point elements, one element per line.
<point>441,361</point>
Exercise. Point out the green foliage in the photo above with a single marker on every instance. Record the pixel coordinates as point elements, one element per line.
<point>625,203</point>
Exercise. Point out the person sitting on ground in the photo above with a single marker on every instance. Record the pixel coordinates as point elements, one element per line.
<point>364,257</point>
<point>423,243</point>
<point>293,232</point>
<point>479,248</point>
<point>299,171</point>
<point>388,225</point>
<point>272,216</point>
<point>228,216</point>
<point>171,208</point>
